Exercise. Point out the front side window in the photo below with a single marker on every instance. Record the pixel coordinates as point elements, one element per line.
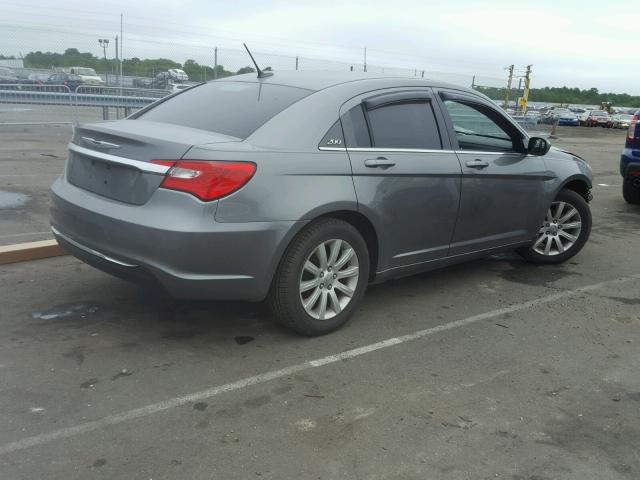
<point>476,130</point>
<point>410,124</point>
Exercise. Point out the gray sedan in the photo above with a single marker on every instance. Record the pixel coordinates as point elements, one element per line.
<point>302,188</point>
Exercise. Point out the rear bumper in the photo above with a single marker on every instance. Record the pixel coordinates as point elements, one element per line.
<point>188,254</point>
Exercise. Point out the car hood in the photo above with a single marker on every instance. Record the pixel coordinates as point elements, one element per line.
<point>567,152</point>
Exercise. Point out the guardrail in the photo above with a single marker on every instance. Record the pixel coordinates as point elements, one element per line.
<point>127,99</point>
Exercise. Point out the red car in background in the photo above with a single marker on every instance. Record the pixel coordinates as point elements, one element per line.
<point>599,118</point>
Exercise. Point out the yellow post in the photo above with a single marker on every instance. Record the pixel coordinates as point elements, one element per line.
<point>524,101</point>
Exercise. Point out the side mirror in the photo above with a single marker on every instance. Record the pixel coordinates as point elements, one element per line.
<point>538,146</point>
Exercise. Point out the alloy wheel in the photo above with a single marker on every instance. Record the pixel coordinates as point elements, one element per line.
<point>329,279</point>
<point>560,229</point>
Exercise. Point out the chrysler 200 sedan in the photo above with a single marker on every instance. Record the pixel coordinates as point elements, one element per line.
<point>303,188</point>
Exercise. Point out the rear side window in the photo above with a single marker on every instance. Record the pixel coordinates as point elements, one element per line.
<point>333,138</point>
<point>409,124</point>
<point>231,108</point>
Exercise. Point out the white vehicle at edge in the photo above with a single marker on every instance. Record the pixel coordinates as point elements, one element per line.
<point>87,75</point>
<point>178,75</point>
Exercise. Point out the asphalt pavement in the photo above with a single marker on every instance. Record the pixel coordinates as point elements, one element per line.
<point>492,369</point>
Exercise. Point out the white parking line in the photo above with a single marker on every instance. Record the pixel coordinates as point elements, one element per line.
<point>153,408</point>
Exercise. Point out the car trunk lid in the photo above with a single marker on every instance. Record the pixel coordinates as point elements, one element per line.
<point>113,159</point>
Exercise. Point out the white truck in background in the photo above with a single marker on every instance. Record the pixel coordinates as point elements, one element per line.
<point>86,74</point>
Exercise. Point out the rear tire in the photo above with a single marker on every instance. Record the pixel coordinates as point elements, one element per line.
<point>630,192</point>
<point>315,296</point>
<point>562,234</point>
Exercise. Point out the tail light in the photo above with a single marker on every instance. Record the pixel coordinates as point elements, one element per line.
<point>631,133</point>
<point>206,180</point>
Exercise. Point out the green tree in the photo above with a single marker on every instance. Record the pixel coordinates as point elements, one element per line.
<point>245,70</point>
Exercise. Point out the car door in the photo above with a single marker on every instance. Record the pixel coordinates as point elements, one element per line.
<point>405,174</point>
<point>502,187</point>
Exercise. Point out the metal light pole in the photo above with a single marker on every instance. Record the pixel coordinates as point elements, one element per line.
<point>104,43</point>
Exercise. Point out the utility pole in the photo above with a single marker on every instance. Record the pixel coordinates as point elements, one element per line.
<point>296,63</point>
<point>527,85</point>
<point>473,83</point>
<point>365,59</point>
<point>506,95</point>
<point>215,63</point>
<point>121,59</point>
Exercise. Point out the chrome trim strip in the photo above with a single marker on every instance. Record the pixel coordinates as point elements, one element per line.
<point>137,164</point>
<point>482,152</point>
<point>382,150</point>
<point>57,233</point>
<point>415,150</point>
<point>400,150</point>
<point>99,143</point>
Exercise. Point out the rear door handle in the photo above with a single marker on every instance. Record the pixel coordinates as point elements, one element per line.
<point>380,162</point>
<point>477,163</point>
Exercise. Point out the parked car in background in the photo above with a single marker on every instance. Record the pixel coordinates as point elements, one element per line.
<point>599,118</point>
<point>630,162</point>
<point>38,77</point>
<point>562,116</point>
<point>170,77</point>
<point>533,116</point>
<point>582,118</point>
<point>88,76</point>
<point>566,117</point>
<point>621,120</point>
<point>304,187</point>
<point>178,75</point>
<point>66,79</point>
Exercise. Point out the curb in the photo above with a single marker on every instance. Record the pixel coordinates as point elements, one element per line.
<point>23,252</point>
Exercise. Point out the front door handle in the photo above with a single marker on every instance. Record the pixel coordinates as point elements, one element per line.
<point>477,163</point>
<point>380,162</point>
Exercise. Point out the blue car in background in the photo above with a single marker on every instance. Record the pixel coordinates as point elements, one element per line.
<point>566,117</point>
<point>630,163</point>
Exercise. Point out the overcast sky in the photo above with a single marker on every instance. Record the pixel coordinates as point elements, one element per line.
<point>572,43</point>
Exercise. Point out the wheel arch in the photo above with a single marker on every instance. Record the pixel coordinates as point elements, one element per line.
<point>579,184</point>
<point>358,220</point>
<point>365,227</point>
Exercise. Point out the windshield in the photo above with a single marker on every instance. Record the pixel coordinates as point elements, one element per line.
<point>599,113</point>
<point>231,108</point>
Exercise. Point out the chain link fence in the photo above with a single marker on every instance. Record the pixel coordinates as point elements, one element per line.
<point>145,67</point>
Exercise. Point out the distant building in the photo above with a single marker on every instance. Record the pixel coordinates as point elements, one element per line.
<point>12,63</point>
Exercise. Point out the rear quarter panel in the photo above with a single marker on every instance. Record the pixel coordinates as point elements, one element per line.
<point>287,185</point>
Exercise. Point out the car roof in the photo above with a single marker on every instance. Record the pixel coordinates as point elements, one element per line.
<point>319,80</point>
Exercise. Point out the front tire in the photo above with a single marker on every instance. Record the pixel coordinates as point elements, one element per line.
<point>321,278</point>
<point>563,233</point>
<point>630,192</point>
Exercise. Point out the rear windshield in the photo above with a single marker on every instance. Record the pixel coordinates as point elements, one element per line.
<point>232,108</point>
